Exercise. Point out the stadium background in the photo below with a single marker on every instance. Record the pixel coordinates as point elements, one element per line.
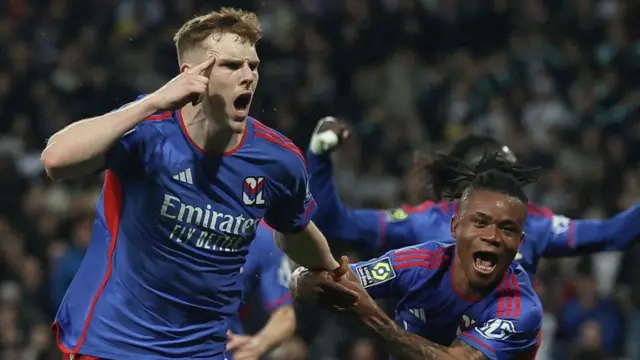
<point>556,80</point>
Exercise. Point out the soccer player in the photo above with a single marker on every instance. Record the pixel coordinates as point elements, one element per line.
<point>189,178</point>
<point>548,234</point>
<point>467,300</point>
<point>265,275</point>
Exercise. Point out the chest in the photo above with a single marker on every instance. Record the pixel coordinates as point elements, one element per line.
<point>210,203</point>
<point>440,318</point>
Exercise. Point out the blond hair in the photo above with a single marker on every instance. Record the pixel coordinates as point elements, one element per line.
<point>242,23</point>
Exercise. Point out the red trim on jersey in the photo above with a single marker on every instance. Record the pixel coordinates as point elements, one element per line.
<point>190,139</point>
<point>307,212</point>
<point>419,208</point>
<point>509,301</point>
<point>275,304</point>
<point>159,116</point>
<point>112,202</point>
<point>267,133</point>
<point>537,210</point>
<point>571,236</point>
<point>427,259</point>
<point>478,341</point>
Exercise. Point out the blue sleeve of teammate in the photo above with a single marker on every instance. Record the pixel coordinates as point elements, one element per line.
<point>506,338</point>
<point>293,205</point>
<point>566,237</point>
<point>393,275</point>
<point>374,229</point>
<point>274,276</point>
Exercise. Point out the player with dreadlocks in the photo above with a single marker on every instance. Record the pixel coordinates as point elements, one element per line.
<point>548,234</point>
<point>467,300</point>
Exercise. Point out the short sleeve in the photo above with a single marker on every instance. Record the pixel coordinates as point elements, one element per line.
<point>293,205</point>
<point>274,274</point>
<point>393,275</point>
<point>506,338</point>
<point>126,154</point>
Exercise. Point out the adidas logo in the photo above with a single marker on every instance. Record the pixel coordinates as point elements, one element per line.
<point>184,176</point>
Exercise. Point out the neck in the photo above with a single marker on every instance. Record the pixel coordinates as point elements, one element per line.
<point>462,285</point>
<point>211,135</point>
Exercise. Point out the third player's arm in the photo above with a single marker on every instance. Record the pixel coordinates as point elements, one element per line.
<point>567,237</point>
<point>375,229</point>
<point>80,148</point>
<point>280,327</point>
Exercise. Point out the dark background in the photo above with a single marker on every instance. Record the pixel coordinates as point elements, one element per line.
<point>556,80</point>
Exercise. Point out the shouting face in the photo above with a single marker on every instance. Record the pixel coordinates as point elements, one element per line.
<point>233,78</point>
<point>488,232</point>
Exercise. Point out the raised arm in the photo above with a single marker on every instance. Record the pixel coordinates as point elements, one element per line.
<point>81,148</point>
<point>374,229</point>
<point>567,237</point>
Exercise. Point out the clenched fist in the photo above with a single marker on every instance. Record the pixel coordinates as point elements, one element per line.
<point>187,87</point>
<point>328,135</point>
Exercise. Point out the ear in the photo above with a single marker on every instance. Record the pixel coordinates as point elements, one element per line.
<point>454,225</point>
<point>184,67</point>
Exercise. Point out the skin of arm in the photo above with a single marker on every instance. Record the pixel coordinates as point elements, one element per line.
<point>79,149</point>
<point>403,345</point>
<point>308,248</point>
<point>280,327</point>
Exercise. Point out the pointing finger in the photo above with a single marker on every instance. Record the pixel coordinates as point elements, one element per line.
<point>198,69</point>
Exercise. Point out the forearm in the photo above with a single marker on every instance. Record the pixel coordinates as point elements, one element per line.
<point>308,248</point>
<point>280,327</point>
<point>401,344</point>
<point>80,148</point>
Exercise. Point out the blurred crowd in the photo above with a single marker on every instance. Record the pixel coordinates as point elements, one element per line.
<point>556,80</point>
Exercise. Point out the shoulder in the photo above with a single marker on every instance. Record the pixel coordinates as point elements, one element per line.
<point>517,301</point>
<point>536,211</point>
<point>276,146</point>
<point>158,123</point>
<point>425,257</point>
<point>444,207</point>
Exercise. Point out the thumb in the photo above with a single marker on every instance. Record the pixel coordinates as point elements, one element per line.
<point>342,269</point>
<point>234,342</point>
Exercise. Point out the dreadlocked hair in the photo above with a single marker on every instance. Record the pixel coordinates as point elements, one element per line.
<point>452,178</point>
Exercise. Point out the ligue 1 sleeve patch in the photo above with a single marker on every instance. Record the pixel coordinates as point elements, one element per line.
<point>376,272</point>
<point>394,215</point>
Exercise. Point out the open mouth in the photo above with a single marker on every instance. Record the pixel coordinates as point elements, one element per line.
<point>241,103</point>
<point>485,262</point>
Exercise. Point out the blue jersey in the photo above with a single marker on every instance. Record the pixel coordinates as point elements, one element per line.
<point>546,234</point>
<point>265,275</point>
<point>503,325</point>
<point>173,227</point>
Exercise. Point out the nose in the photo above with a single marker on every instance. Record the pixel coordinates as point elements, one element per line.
<point>491,236</point>
<point>247,77</point>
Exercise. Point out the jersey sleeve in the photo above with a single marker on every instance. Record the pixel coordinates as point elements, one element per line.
<point>396,274</point>
<point>373,229</point>
<point>506,338</point>
<point>293,205</point>
<point>566,237</point>
<point>274,275</point>
<point>127,155</point>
